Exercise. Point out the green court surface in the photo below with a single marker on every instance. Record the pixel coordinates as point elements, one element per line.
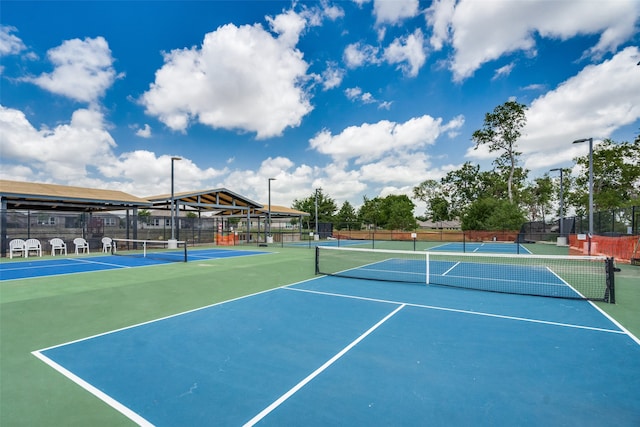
<point>42,312</point>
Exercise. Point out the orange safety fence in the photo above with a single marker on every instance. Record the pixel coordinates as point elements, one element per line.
<point>230,240</point>
<point>423,235</point>
<point>623,249</point>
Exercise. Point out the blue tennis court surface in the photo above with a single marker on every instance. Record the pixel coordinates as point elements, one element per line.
<point>330,242</point>
<point>339,351</point>
<point>477,275</point>
<point>482,247</point>
<point>74,264</point>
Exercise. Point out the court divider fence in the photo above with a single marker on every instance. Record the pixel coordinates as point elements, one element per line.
<point>616,232</point>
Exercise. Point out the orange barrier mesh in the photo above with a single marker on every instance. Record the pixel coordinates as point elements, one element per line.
<point>620,248</point>
<point>432,236</point>
<point>230,240</point>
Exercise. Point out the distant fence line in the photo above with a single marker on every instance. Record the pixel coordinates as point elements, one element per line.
<point>46,225</point>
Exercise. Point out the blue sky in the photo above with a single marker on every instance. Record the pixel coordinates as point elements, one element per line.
<point>359,98</point>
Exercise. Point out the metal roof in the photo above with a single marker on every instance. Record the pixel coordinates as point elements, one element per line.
<point>40,196</point>
<point>282,212</point>
<point>221,200</point>
<point>31,195</point>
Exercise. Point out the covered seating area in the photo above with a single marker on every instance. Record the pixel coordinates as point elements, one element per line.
<point>252,217</point>
<point>60,216</point>
<point>20,196</point>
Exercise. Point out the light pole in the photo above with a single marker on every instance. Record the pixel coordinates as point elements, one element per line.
<point>268,228</point>
<point>173,221</point>
<point>590,140</point>
<point>561,201</point>
<point>316,233</point>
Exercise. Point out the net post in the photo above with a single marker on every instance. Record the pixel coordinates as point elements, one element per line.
<point>317,260</point>
<point>610,292</point>
<point>427,267</point>
<point>185,251</point>
<point>144,249</point>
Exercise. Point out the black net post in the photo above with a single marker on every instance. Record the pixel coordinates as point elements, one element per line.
<point>317,260</point>
<point>610,293</point>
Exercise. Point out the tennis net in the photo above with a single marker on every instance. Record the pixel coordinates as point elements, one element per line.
<point>574,277</point>
<point>162,250</point>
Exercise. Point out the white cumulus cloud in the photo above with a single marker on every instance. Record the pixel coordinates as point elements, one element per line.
<point>593,104</point>
<point>370,141</point>
<point>482,31</point>
<point>241,78</point>
<point>63,153</point>
<point>83,70</point>
<point>10,44</point>
<point>408,52</point>
<point>394,11</point>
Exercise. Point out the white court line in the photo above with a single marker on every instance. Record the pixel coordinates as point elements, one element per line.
<point>452,267</point>
<point>444,245</point>
<point>86,261</point>
<point>318,371</point>
<point>37,267</point>
<point>524,248</point>
<point>474,313</point>
<point>95,391</point>
<point>113,331</point>
<point>216,256</point>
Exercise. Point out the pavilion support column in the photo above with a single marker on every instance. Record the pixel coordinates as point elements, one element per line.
<point>177,219</point>
<point>135,223</point>
<point>3,227</point>
<point>127,226</point>
<point>248,225</point>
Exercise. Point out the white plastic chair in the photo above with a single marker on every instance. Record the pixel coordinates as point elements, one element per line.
<point>58,245</point>
<point>16,245</point>
<point>107,242</point>
<point>32,245</point>
<point>81,245</point>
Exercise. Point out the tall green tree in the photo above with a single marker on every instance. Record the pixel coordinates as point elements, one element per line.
<point>492,214</point>
<point>371,212</point>
<point>326,207</point>
<point>347,217</point>
<point>430,192</point>
<point>500,132</point>
<point>616,177</point>
<point>391,212</point>
<point>461,187</point>
<point>538,196</point>
<point>398,213</point>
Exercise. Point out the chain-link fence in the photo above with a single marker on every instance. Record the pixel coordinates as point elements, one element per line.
<point>612,223</point>
<point>47,225</point>
<point>615,222</point>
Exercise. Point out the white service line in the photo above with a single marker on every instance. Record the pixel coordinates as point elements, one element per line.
<point>318,371</point>
<point>87,261</point>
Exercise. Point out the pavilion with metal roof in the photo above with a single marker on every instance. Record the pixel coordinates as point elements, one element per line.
<point>20,195</point>
<point>31,195</point>
<point>220,200</point>
<point>226,203</point>
<point>25,196</point>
